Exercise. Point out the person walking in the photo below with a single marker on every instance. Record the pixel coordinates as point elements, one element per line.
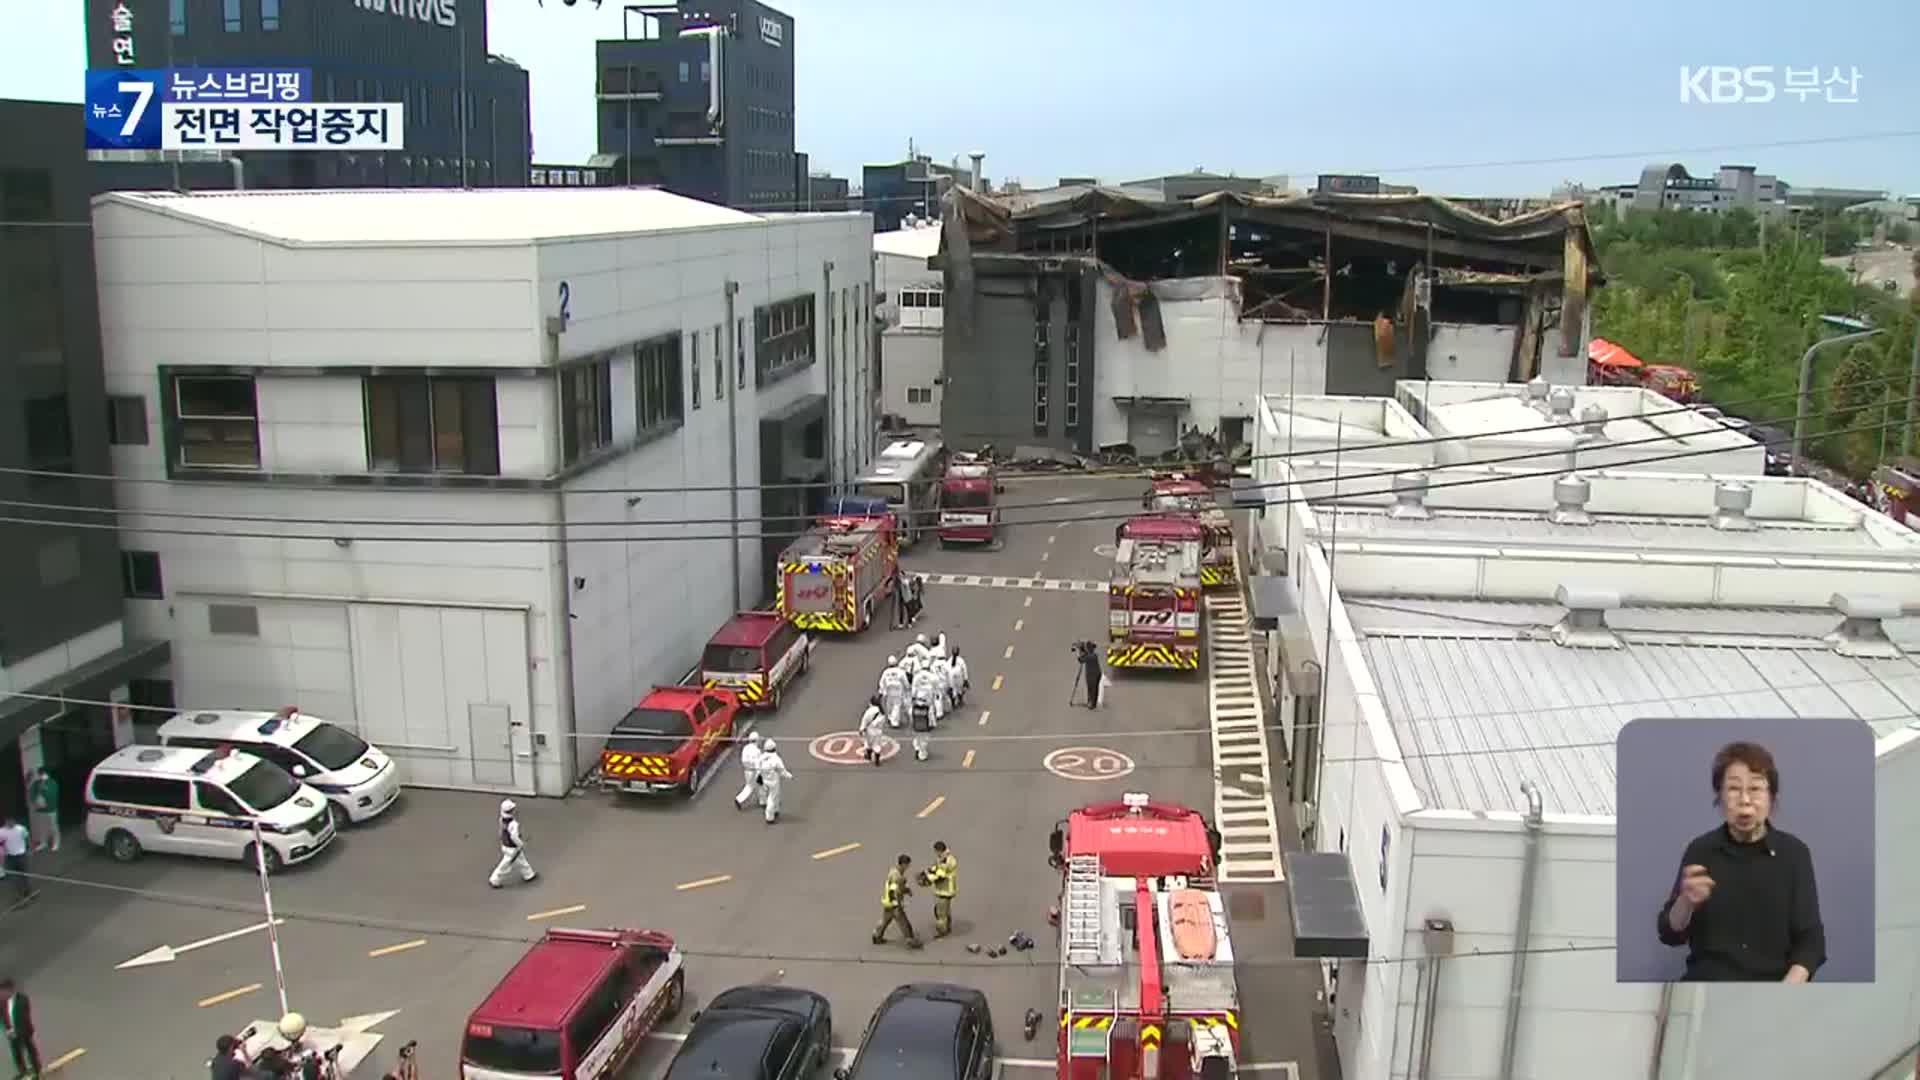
<point>1090,672</point>
<point>924,689</point>
<point>893,905</point>
<point>513,848</point>
<point>944,877</point>
<point>917,651</point>
<point>958,679</point>
<point>17,1011</point>
<point>899,600</point>
<point>873,731</point>
<point>942,687</point>
<point>894,683</point>
<point>773,775</point>
<point>916,597</point>
<point>43,810</point>
<point>14,843</point>
<point>750,768</point>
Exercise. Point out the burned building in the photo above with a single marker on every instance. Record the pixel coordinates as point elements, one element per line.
<point>1109,320</point>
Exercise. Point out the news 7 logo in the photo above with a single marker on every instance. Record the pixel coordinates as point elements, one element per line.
<point>1727,85</point>
<point>122,110</point>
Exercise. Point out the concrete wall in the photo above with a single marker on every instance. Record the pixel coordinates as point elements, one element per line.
<point>911,359</point>
<point>990,360</point>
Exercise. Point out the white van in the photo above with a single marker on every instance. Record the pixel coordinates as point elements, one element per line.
<point>358,780</point>
<point>203,802</point>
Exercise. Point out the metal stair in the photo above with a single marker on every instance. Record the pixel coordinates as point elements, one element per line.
<point>1080,923</point>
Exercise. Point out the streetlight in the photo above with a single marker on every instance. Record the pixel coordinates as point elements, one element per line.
<point>1859,331</point>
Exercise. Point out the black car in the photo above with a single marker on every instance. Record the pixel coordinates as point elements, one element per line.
<point>927,1031</point>
<point>757,1033</point>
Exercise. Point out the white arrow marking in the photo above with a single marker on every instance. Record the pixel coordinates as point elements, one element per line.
<point>167,954</point>
<point>359,1024</point>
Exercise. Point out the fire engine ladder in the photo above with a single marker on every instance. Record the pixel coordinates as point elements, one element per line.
<point>1080,922</point>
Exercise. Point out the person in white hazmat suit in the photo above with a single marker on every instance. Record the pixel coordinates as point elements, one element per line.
<point>917,651</point>
<point>924,689</point>
<point>938,650</point>
<point>750,771</point>
<point>773,774</point>
<point>894,683</point>
<point>958,680</point>
<point>513,849</point>
<point>942,688</point>
<point>873,731</point>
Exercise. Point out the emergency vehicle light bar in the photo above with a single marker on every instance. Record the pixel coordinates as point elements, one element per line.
<point>1135,800</point>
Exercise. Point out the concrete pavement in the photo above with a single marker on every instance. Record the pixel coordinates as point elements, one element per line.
<point>398,916</point>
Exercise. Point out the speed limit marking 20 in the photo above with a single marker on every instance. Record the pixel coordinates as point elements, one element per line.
<point>846,748</point>
<point>1087,763</point>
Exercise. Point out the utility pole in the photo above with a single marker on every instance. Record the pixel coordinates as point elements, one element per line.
<point>1913,395</point>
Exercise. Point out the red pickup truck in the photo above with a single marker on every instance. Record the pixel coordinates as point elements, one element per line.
<point>670,743</point>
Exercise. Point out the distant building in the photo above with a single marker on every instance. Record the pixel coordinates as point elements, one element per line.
<point>826,192</point>
<point>1822,198</point>
<point>1668,186</point>
<point>894,191</point>
<point>911,314</point>
<point>701,103</point>
<point>597,172</point>
<point>1358,184</point>
<point>1192,185</point>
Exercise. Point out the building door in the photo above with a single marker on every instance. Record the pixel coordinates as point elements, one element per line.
<point>1151,433</point>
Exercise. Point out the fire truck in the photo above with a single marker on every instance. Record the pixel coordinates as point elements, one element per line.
<point>1147,989</point>
<point>969,513</point>
<point>835,576</point>
<point>1153,595</point>
<point>1897,490</point>
<point>1179,493</point>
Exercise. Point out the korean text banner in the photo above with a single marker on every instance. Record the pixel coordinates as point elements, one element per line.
<point>282,126</point>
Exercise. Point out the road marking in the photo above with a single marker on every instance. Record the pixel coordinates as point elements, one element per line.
<point>998,682</point>
<point>66,1059</point>
<point>1087,763</point>
<point>1028,602</point>
<point>217,999</point>
<point>405,946</point>
<point>932,806</point>
<point>967,762</point>
<point>985,715</point>
<point>1034,584</point>
<point>365,1021</point>
<point>841,850</point>
<point>1045,555</point>
<point>1051,539</point>
<point>1020,624</point>
<point>538,915</point>
<point>166,954</point>
<point>718,879</point>
<point>1008,655</point>
<point>848,748</point>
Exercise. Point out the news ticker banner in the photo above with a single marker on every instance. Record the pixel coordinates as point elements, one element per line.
<point>230,109</point>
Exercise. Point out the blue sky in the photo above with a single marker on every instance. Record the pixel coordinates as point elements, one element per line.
<point>1122,89</point>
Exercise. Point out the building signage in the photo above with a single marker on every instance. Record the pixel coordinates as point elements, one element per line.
<point>122,16</point>
<point>229,109</point>
<point>772,32</point>
<point>427,11</point>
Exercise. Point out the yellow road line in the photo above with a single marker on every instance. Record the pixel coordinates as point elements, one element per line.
<point>718,879</point>
<point>1008,655</point>
<point>1029,602</point>
<point>1045,555</point>
<point>538,915</point>
<point>389,950</point>
<point>985,715</point>
<point>932,806</point>
<point>967,762</point>
<point>1051,539</point>
<point>1019,625</point>
<point>841,850</point>
<point>217,999</point>
<point>999,681</point>
<point>66,1059</point>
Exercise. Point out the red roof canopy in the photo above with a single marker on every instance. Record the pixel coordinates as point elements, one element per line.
<point>1159,840</point>
<point>1607,354</point>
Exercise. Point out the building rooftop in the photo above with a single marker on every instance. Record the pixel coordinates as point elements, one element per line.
<point>1481,696</point>
<point>913,243</point>
<point>1636,532</point>
<point>364,216</point>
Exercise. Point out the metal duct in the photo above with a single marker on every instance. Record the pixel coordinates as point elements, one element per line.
<point>1585,624</point>
<point>1593,422</point>
<point>1523,924</point>
<point>1439,942</point>
<point>977,157</point>
<point>1862,631</point>
<point>1731,500</point>
<point>1537,390</point>
<point>1409,497</point>
<point>1570,494</point>
<point>1560,404</point>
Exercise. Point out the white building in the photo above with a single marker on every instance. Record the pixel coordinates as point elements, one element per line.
<point>1424,630</point>
<point>910,313</point>
<point>463,459</point>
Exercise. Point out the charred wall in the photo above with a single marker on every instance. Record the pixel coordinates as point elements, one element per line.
<point>1019,371</point>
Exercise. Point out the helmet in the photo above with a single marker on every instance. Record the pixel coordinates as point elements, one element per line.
<point>893,661</point>
<point>292,1027</point>
<point>920,639</point>
<point>768,745</point>
<point>506,808</point>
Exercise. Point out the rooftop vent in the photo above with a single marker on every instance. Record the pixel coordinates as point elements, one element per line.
<point>1560,405</point>
<point>1862,631</point>
<point>1593,422</point>
<point>1410,497</point>
<point>1710,413</point>
<point>1570,493</point>
<point>1585,624</point>
<point>1538,388</point>
<point>1730,502</point>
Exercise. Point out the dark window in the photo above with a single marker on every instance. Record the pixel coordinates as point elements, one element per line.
<point>219,422</point>
<point>264,786</point>
<point>783,336</point>
<point>597,1014</point>
<point>650,731</point>
<point>240,619</point>
<point>419,424</point>
<point>231,21</point>
<point>49,434</point>
<point>214,800</point>
<point>730,658</point>
<point>127,420</point>
<point>740,352</point>
<point>59,562</point>
<point>331,747</point>
<point>177,16</point>
<point>140,575</point>
<point>785,1041</point>
<point>511,1049</point>
<point>269,14</point>
<point>141,790</point>
<point>719,366</point>
<point>693,366</point>
<point>586,408</point>
<point>656,382</point>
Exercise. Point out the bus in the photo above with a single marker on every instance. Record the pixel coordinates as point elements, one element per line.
<point>907,475</point>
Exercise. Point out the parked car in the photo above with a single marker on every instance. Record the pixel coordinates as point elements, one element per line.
<point>671,743</point>
<point>757,1033</point>
<point>927,1031</point>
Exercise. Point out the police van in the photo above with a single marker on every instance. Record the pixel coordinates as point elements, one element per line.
<point>203,802</point>
<point>358,780</point>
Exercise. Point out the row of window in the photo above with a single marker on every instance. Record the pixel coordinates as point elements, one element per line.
<point>586,396</point>
<point>920,298</point>
<point>769,121</point>
<point>784,337</point>
<point>266,16</point>
<point>769,163</point>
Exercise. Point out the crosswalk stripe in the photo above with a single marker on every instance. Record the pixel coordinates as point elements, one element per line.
<point>1248,822</point>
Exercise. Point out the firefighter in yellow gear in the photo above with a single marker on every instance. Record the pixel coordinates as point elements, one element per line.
<point>893,904</point>
<point>944,877</point>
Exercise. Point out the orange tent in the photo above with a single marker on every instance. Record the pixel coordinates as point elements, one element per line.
<point>1606,354</point>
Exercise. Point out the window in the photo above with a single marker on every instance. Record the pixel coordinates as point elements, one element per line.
<point>215,800</point>
<point>693,365</point>
<point>586,408</point>
<point>49,433</point>
<point>127,420</point>
<point>719,366</point>
<point>219,422</point>
<point>597,1014</point>
<point>141,790</point>
<point>421,424</point>
<point>269,14</point>
<point>740,351</point>
<point>242,620</point>
<point>783,336</point>
<point>683,71</point>
<point>1073,360</point>
<point>140,575</point>
<point>656,383</point>
<point>706,71</point>
<point>177,17</point>
<point>919,395</point>
<point>59,562</point>
<point>232,20</point>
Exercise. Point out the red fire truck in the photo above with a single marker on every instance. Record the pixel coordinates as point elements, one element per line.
<point>835,576</point>
<point>1153,595</point>
<point>1147,990</point>
<point>969,511</point>
<point>1897,490</point>
<point>1179,493</point>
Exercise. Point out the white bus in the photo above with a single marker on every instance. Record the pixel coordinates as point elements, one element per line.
<point>906,475</point>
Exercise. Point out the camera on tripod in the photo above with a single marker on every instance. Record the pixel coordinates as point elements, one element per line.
<point>1084,649</point>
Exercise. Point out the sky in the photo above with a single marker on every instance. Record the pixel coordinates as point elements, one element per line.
<point>1494,97</point>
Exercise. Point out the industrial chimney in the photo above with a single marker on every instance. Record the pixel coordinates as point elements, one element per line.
<point>978,157</point>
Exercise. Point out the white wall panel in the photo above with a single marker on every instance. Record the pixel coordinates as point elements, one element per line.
<point>300,657</point>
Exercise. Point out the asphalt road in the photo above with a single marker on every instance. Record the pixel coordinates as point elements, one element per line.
<point>398,916</point>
